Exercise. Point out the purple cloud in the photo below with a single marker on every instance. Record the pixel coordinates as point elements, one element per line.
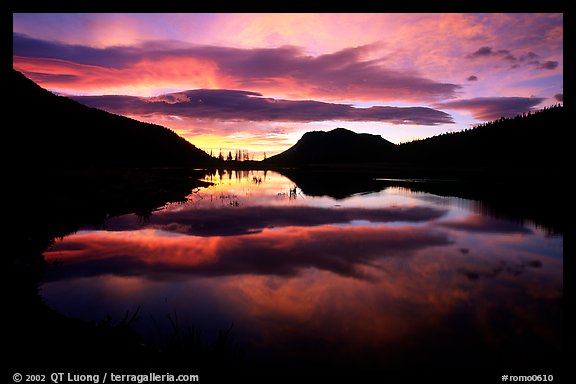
<point>481,52</point>
<point>529,58</point>
<point>559,97</point>
<point>251,106</point>
<point>112,57</point>
<point>488,52</point>
<point>547,65</point>
<point>472,78</point>
<point>491,108</point>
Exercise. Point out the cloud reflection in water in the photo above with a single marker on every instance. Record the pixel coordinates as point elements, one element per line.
<point>388,285</point>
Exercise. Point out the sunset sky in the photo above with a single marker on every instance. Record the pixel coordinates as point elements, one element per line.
<point>259,81</point>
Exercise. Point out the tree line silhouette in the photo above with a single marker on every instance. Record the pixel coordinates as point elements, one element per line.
<point>239,155</point>
<point>529,139</point>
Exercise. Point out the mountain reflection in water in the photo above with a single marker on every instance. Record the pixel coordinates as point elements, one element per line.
<point>391,278</point>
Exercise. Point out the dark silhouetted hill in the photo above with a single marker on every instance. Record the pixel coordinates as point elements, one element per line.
<point>337,146</point>
<point>530,141</point>
<point>52,130</point>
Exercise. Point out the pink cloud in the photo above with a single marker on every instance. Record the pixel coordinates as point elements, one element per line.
<point>348,73</point>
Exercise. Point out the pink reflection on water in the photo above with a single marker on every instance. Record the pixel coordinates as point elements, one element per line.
<point>344,250</point>
<point>402,283</point>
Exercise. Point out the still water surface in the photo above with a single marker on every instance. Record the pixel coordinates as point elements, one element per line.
<point>375,280</point>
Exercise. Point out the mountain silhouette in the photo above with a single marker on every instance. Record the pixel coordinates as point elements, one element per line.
<point>528,142</point>
<point>336,146</point>
<point>54,130</point>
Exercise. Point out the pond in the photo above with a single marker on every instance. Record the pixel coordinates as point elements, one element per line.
<point>386,277</point>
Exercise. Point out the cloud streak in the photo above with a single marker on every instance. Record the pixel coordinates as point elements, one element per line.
<point>492,108</point>
<point>252,106</point>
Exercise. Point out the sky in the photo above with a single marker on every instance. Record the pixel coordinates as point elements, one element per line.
<point>257,82</point>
